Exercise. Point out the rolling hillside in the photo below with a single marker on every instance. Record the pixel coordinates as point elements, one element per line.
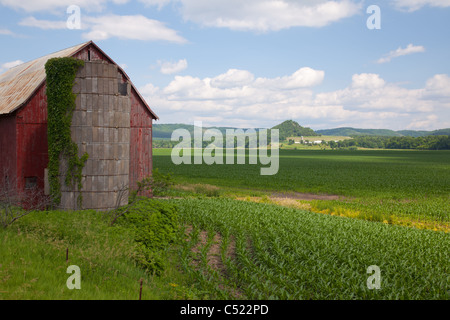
<point>291,128</point>
<point>164,131</point>
<point>440,132</point>
<point>347,131</point>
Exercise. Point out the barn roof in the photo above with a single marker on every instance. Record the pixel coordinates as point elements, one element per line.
<point>18,84</point>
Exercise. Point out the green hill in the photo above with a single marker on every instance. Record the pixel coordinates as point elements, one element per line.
<point>290,128</point>
<point>164,131</point>
<point>347,131</point>
<point>414,133</point>
<point>441,132</point>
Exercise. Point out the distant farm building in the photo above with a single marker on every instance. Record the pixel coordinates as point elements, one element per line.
<point>111,122</point>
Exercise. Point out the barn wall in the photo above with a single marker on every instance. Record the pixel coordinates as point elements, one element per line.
<point>8,153</point>
<point>32,146</point>
<point>90,53</point>
<point>140,141</point>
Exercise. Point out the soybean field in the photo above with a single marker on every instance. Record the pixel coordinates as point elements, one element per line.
<point>390,183</point>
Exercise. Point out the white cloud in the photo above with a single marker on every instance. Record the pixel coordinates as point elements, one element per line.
<point>232,78</point>
<point>6,32</point>
<point>43,24</point>
<point>370,92</point>
<point>172,67</point>
<point>238,98</point>
<point>413,5</point>
<point>304,77</point>
<point>157,3</point>
<point>438,89</point>
<point>136,27</point>
<point>367,80</point>
<point>8,65</point>
<point>57,5</point>
<point>410,49</point>
<point>263,15</point>
<point>423,122</point>
<point>439,84</point>
<point>240,84</point>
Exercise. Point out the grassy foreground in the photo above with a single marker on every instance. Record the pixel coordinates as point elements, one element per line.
<point>33,260</point>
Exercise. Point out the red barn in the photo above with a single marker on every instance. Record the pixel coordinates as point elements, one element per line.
<point>111,122</point>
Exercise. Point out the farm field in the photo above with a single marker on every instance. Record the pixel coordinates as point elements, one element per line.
<point>343,212</point>
<point>237,249</point>
<point>225,232</point>
<point>402,187</point>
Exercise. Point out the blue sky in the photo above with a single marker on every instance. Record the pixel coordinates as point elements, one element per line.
<point>256,63</point>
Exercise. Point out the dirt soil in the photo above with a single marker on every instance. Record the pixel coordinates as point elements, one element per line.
<point>214,256</point>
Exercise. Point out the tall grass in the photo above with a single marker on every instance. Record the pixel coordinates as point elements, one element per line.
<point>33,260</point>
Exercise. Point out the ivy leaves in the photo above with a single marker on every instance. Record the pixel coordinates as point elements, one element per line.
<point>61,74</point>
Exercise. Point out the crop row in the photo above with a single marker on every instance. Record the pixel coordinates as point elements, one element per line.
<point>284,253</point>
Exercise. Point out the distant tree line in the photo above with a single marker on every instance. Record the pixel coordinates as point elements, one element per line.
<point>422,143</point>
<point>376,142</point>
<point>248,142</point>
<point>164,143</point>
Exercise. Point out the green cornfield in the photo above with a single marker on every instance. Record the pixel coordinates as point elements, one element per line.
<point>273,252</point>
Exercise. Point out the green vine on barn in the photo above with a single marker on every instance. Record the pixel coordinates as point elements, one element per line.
<point>61,73</point>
